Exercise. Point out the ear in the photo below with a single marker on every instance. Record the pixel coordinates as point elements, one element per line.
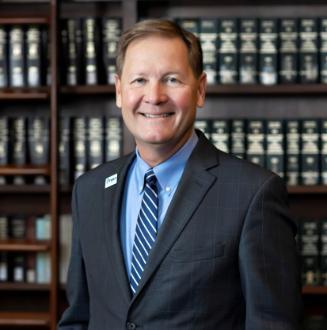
<point>202,84</point>
<point>118,90</point>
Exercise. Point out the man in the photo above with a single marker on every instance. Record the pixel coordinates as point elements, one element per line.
<point>177,235</point>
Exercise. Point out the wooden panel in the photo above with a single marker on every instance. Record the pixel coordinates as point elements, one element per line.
<point>24,170</point>
<point>24,245</point>
<point>24,319</point>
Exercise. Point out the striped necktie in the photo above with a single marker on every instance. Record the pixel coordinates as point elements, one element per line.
<point>146,229</point>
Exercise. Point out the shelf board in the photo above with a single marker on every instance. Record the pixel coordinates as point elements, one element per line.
<point>295,190</point>
<point>24,319</point>
<point>24,287</point>
<point>24,245</point>
<point>24,170</point>
<point>24,20</point>
<point>26,93</point>
<point>314,290</point>
<point>280,89</point>
<point>19,189</point>
<point>85,89</point>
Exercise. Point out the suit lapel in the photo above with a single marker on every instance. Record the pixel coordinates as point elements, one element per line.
<point>194,184</point>
<point>112,203</point>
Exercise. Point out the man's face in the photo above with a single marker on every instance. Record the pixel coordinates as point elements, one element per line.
<point>158,93</point>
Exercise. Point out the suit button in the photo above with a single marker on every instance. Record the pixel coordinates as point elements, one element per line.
<point>131,326</point>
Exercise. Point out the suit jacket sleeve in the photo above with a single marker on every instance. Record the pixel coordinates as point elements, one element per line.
<point>76,316</point>
<point>269,262</point>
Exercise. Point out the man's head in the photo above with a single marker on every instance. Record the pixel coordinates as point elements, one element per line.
<point>159,86</point>
<point>164,28</point>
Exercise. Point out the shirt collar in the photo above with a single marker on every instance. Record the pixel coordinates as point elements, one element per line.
<point>169,172</point>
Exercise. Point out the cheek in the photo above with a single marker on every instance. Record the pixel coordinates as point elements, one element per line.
<point>184,101</point>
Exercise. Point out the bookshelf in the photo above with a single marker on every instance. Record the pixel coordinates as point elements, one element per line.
<point>39,305</point>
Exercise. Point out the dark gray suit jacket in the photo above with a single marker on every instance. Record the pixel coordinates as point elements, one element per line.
<point>225,256</point>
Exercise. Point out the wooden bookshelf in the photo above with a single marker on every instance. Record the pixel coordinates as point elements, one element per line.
<point>315,290</point>
<point>24,170</point>
<point>24,94</point>
<point>24,245</point>
<point>24,319</point>
<point>7,286</point>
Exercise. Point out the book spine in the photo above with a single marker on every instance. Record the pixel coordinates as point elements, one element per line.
<point>323,252</point>
<point>4,267</point>
<point>111,31</point>
<point>4,145</point>
<point>289,40</point>
<point>96,142</point>
<point>268,43</point>
<point>91,51</point>
<point>310,152</point>
<point>16,57</point>
<point>33,56</point>
<point>228,51</point>
<point>248,63</point>
<point>190,24</point>
<point>4,228</point>
<point>113,138</point>
<point>209,43</point>
<point>308,50</point>
<point>80,147</point>
<point>65,151</point>
<point>323,50</point>
<point>255,152</point>
<point>204,125</point>
<point>220,133</point>
<point>3,57</point>
<point>323,160</point>
<point>293,152</point>
<point>310,252</point>
<point>275,156</point>
<point>238,138</point>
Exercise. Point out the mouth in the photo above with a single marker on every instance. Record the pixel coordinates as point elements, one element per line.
<point>157,115</point>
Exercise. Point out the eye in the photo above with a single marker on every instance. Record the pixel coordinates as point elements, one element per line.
<point>138,81</point>
<point>173,81</point>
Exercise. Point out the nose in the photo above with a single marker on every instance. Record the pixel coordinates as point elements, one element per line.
<point>155,93</point>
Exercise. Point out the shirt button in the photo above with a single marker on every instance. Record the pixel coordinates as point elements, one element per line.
<point>131,326</point>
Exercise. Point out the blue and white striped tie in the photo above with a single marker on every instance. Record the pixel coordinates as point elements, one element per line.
<point>146,229</point>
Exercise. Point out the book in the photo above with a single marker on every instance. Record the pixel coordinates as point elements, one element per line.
<point>3,57</point>
<point>323,50</point>
<point>16,56</point>
<point>310,152</point>
<point>309,230</point>
<point>19,145</point>
<point>38,142</point>
<point>4,228</point>
<point>268,51</point>
<point>308,50</point>
<point>323,252</point>
<point>91,51</point>
<point>248,63</point>
<point>43,268</point>
<point>275,155</point>
<point>65,230</point>
<point>111,31</point>
<point>323,151</point>
<point>113,138</point>
<point>72,51</point>
<point>33,56</point>
<point>256,142</point>
<point>293,152</point>
<point>64,146</point>
<point>288,57</point>
<point>80,147</point>
<point>95,142</point>
<point>238,138</point>
<point>4,145</point>
<point>209,43</point>
<point>4,267</point>
<point>17,228</point>
<point>204,125</point>
<point>220,132</point>
<point>228,51</point>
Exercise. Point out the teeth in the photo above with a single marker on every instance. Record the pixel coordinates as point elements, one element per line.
<point>163,115</point>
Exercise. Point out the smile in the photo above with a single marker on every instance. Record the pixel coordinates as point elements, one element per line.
<point>160,115</point>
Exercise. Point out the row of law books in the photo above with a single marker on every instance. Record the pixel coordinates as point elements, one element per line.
<point>34,267</point>
<point>24,56</point>
<point>265,51</point>
<point>20,227</point>
<point>295,149</point>
<point>84,143</point>
<point>312,242</point>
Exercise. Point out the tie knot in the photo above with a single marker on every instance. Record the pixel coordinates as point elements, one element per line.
<point>150,177</point>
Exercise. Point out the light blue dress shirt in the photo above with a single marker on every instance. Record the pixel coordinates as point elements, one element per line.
<point>168,175</point>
